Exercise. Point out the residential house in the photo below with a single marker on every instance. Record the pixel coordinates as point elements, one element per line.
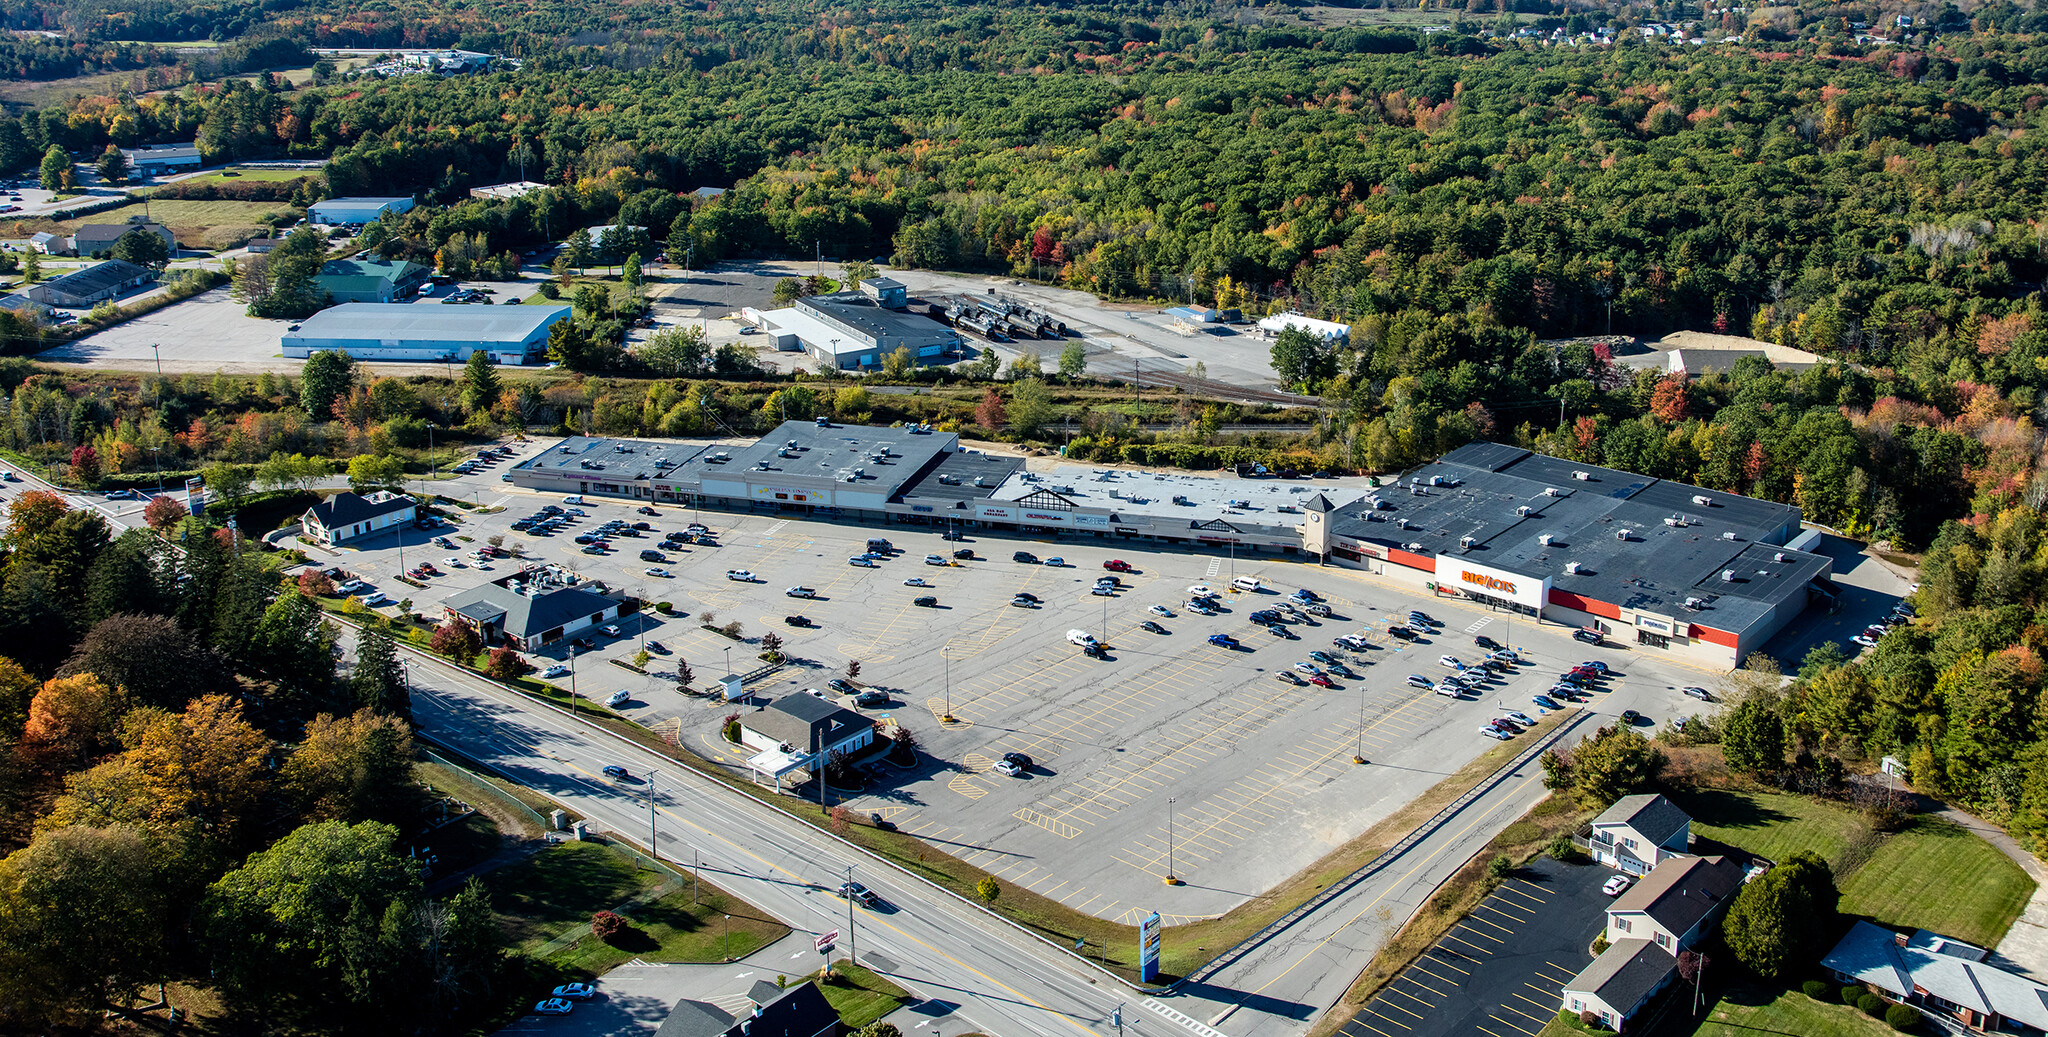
<point>94,239</point>
<point>94,284</point>
<point>1638,833</point>
<point>532,608</point>
<point>50,243</point>
<point>347,517</point>
<point>800,1011</point>
<point>1673,909</point>
<point>370,280</point>
<point>1940,976</point>
<point>259,246</point>
<point>1677,904</point>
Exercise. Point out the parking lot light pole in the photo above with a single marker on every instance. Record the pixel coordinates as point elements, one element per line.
<point>851,957</point>
<point>572,678</point>
<point>948,718</point>
<point>726,942</point>
<point>1171,878</point>
<point>1359,756</point>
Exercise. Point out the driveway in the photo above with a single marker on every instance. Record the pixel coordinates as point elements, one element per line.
<point>1501,971</point>
<point>633,999</point>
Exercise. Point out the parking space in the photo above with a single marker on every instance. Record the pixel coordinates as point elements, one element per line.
<point>1167,754</point>
<point>1499,972</point>
<point>206,333</point>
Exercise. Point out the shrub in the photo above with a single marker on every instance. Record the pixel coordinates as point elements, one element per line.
<point>732,729</point>
<point>988,889</point>
<point>1851,995</point>
<point>1871,1005</point>
<point>731,629</point>
<point>1816,989</point>
<point>506,665</point>
<point>1902,1017</point>
<point>1500,868</point>
<point>1562,849</point>
<point>1599,945</point>
<point>315,583</point>
<point>607,926</point>
<point>1589,1017</point>
<point>456,641</point>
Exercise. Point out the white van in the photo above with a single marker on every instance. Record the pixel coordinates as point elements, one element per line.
<point>574,498</point>
<point>1246,583</point>
<point>1082,638</point>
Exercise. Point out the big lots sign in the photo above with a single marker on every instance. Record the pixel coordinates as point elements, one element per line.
<point>1456,571</point>
<point>1490,584</point>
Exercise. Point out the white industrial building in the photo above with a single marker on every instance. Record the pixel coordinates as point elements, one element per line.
<point>853,331</point>
<point>506,192</point>
<point>398,331</point>
<point>1329,331</point>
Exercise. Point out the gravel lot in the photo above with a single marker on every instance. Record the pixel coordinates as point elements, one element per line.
<point>1259,771</point>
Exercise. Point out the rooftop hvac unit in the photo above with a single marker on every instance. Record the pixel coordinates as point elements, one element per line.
<point>1552,491</point>
<point>1623,534</point>
<point>981,480</point>
<point>1695,603</point>
<point>1778,556</point>
<point>1467,542</point>
<point>1403,523</point>
<point>885,450</point>
<point>1730,535</point>
<point>1583,476</point>
<point>791,444</point>
<point>1545,539</point>
<point>1572,568</point>
<point>1374,502</point>
<point>1703,501</point>
<point>1525,510</point>
<point>1115,494</point>
<point>858,472</point>
<point>1727,576</point>
<point>1414,546</point>
<point>1436,480</point>
<point>1674,521</point>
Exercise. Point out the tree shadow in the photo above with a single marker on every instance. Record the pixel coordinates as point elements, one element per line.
<point>1723,808</point>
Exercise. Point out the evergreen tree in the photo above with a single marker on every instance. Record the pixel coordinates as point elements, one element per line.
<point>56,169</point>
<point>480,385</point>
<point>378,682</point>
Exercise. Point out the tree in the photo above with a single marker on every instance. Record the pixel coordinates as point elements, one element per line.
<point>155,660</point>
<point>112,166</point>
<point>378,682</point>
<point>456,641</point>
<point>371,472</point>
<point>85,464</point>
<point>326,378</point>
<point>229,482</point>
<point>480,386</point>
<point>684,675</point>
<point>578,253</point>
<point>632,282</point>
<point>1026,364</point>
<point>315,911</point>
<point>1303,360</point>
<point>505,664</point>
<point>608,925</point>
<point>1615,762</point>
<point>316,584</point>
<point>56,169</point>
<point>1074,360</point>
<point>207,764</point>
<point>17,690</point>
<point>853,669</point>
<point>1753,734</point>
<point>988,889</point>
<point>162,513</point>
<point>32,267</point>
<point>89,922</point>
<point>133,574</point>
<point>990,413</point>
<point>771,643</point>
<point>1783,920</point>
<point>985,366</point>
<point>677,351</point>
<point>142,247</point>
<point>354,768</point>
<point>1030,407</point>
<point>898,362</point>
<point>294,647</point>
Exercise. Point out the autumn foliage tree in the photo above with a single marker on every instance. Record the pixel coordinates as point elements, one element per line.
<point>163,512</point>
<point>73,719</point>
<point>505,665</point>
<point>456,641</point>
<point>314,583</point>
<point>989,413</point>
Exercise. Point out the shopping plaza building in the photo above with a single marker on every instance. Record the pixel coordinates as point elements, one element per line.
<point>1705,576</point>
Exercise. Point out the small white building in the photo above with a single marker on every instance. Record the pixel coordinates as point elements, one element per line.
<point>802,731</point>
<point>348,517</point>
<point>160,159</point>
<point>1329,331</point>
<point>1638,833</point>
<point>355,212</point>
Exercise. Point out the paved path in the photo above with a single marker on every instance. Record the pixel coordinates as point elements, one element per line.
<point>2025,947</point>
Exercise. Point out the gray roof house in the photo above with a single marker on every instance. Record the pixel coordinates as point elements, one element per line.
<point>94,238</point>
<point>531,615</point>
<point>807,723</point>
<point>1620,981</point>
<point>1639,832</point>
<point>800,1011</point>
<point>352,516</point>
<point>1942,976</point>
<point>1675,905</point>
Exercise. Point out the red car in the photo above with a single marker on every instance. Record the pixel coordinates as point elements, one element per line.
<point>1320,681</point>
<point>1117,565</point>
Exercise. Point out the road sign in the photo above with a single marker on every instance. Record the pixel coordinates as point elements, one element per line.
<point>825,940</point>
<point>1148,948</point>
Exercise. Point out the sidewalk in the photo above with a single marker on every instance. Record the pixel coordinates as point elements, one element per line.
<point>2025,947</point>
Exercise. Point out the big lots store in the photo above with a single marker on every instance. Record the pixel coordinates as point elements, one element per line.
<point>1705,576</point>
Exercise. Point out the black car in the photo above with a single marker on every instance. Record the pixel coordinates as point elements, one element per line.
<point>926,602</point>
<point>1094,651</point>
<point>965,552</point>
<point>1591,637</point>
<point>649,511</point>
<point>797,621</point>
<point>1025,557</point>
<point>1154,627</point>
<point>871,698</point>
<point>858,893</point>
<point>1630,716</point>
<point>880,822</point>
<point>1487,643</point>
<point>952,534</point>
<point>841,685</point>
<point>1403,633</point>
<point>616,772</point>
<point>584,643</point>
<point>1032,598</point>
<point>642,526</point>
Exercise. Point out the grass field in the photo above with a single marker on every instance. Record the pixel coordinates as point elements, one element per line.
<point>859,996</point>
<point>545,904</point>
<point>1770,824</point>
<point>1749,1011</point>
<point>243,175</point>
<point>1935,875</point>
<point>196,224</point>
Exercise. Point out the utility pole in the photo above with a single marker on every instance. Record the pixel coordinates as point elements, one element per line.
<point>851,957</point>
<point>1359,756</point>
<point>653,845</point>
<point>696,877</point>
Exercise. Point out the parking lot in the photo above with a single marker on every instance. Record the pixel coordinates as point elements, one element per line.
<point>1168,753</point>
<point>1500,971</point>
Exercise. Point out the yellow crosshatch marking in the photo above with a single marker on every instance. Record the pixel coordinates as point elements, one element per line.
<point>1050,824</point>
<point>966,787</point>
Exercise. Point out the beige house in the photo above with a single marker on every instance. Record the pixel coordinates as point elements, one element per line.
<point>347,517</point>
<point>1638,833</point>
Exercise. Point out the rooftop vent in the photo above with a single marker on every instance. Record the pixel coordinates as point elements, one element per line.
<point>1727,576</point>
<point>1571,567</point>
<point>1412,546</point>
<point>859,472</point>
<point>1552,491</point>
<point>1583,476</point>
<point>1730,535</point>
<point>981,480</point>
<point>791,444</point>
<point>1778,556</point>
<point>1703,500</point>
<point>1467,542</point>
<point>1674,521</point>
<point>1695,603</point>
<point>1623,534</point>
<point>1525,510</point>
<point>1545,539</point>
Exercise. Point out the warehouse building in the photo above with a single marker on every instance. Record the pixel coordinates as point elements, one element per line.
<point>370,280</point>
<point>1329,331</point>
<point>161,159</point>
<point>355,212</point>
<point>1703,576</point>
<point>507,192</point>
<point>397,331</point>
<point>94,284</point>
<point>93,239</point>
<point>853,331</point>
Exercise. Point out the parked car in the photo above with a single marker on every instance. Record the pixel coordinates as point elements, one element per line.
<point>557,670</point>
<point>1450,661</point>
<point>1288,677</point>
<point>935,560</point>
<point>797,621</point>
<point>915,581</point>
<point>926,602</point>
<point>1223,640</point>
<point>658,573</point>
<point>1519,717</point>
<point>1023,602</point>
<point>1697,693</point>
<point>1307,668</point>
<point>1495,734</point>
<point>1321,681</point>
<point>1423,619</point>
<point>576,991</point>
<point>871,698</point>
<point>739,575</point>
<point>1161,611</point>
<point>555,1006</point>
<point>618,698</point>
<point>1317,608</point>
<point>1056,562</point>
<point>1322,657</point>
<point>1201,590</point>
<point>1546,702</point>
<point>1591,637</point>
<point>1200,609</point>
<point>1013,764</point>
<point>1026,557</point>
<point>965,553</point>
<point>861,560</point>
<point>1117,565</point>
<point>1617,885</point>
<point>1401,632</point>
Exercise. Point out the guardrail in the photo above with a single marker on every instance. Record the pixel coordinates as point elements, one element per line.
<point>1407,842</point>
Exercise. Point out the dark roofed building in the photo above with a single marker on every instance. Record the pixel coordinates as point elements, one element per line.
<point>1638,833</point>
<point>94,284</point>
<point>1620,981</point>
<point>695,1019</point>
<point>1676,905</point>
<point>531,608</point>
<point>800,1011</point>
<point>348,517</point>
<point>808,724</point>
<point>95,238</point>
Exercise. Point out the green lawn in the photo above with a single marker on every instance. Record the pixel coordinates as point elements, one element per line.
<point>1755,1011</point>
<point>550,899</point>
<point>861,997</point>
<point>1770,824</point>
<point>242,175</point>
<point>1935,875</point>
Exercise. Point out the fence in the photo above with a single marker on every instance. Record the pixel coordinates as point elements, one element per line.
<point>471,785</point>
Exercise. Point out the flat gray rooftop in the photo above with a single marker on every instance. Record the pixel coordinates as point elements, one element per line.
<point>953,478</point>
<point>594,457</point>
<point>833,452</point>
<point>1264,502</point>
<point>413,323</point>
<point>1676,548</point>
<point>859,311</point>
